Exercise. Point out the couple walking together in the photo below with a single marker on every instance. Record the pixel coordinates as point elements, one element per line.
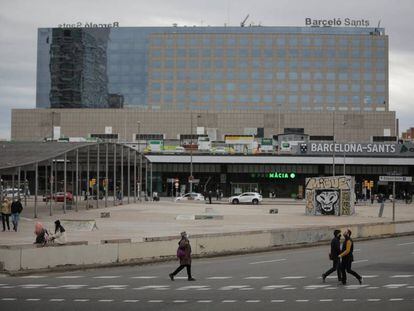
<point>342,258</point>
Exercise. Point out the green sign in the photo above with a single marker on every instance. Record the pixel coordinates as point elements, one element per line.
<point>278,175</point>
<point>275,175</point>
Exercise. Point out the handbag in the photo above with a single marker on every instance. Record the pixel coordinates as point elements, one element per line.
<point>180,253</point>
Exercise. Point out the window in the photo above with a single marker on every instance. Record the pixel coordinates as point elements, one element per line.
<point>306,41</point>
<point>355,76</point>
<point>305,75</point>
<point>156,53</point>
<point>293,75</point>
<point>293,99</point>
<point>267,98</point>
<point>156,86</point>
<point>380,76</point>
<point>330,87</point>
<point>355,65</point>
<point>367,99</point>
<point>280,98</point>
<point>380,88</point>
<point>281,41</point>
<point>193,52</point>
<point>281,75</point>
<point>343,76</point>
<point>317,41</point>
<point>318,76</point>
<point>343,87</point>
<point>343,99</point>
<point>230,53</point>
<point>305,99</point>
<point>355,100</point>
<point>293,41</point>
<point>305,87</point>
<point>317,87</point>
<point>206,53</point>
<point>293,87</point>
<point>330,76</point>
<point>367,76</point>
<point>355,88</point>
<point>243,41</point>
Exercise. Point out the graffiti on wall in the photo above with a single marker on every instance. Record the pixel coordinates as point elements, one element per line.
<point>329,195</point>
<point>340,182</point>
<point>327,201</point>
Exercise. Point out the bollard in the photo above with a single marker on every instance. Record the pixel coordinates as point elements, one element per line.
<point>381,209</point>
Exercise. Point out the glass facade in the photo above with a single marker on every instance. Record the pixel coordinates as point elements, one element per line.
<point>214,68</point>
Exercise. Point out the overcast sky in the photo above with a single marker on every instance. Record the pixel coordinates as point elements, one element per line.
<point>20,19</point>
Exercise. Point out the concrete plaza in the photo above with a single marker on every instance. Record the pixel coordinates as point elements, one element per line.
<point>158,219</point>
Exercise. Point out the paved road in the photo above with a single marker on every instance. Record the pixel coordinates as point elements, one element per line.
<point>284,280</point>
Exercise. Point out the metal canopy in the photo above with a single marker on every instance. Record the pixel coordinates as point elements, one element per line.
<point>20,154</point>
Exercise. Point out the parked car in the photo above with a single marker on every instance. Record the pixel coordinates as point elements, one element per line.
<point>12,192</point>
<point>58,197</point>
<point>246,197</point>
<point>218,150</point>
<point>193,196</point>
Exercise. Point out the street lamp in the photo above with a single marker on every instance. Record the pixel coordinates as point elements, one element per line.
<point>138,134</point>
<point>344,124</point>
<point>191,151</point>
<point>333,138</point>
<point>140,159</point>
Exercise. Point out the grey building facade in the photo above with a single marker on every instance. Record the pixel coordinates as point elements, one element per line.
<point>226,80</point>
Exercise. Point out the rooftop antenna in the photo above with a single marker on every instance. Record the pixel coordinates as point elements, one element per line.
<point>377,30</point>
<point>244,21</point>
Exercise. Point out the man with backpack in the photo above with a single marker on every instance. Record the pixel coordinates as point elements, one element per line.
<point>184,255</point>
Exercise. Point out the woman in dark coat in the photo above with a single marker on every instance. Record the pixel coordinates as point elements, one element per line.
<point>184,255</point>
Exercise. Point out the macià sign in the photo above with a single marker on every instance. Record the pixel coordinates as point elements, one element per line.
<point>275,175</point>
<point>332,195</point>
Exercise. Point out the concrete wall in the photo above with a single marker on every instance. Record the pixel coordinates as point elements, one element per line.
<point>30,257</point>
<point>36,124</point>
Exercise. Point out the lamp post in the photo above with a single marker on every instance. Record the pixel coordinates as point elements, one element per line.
<point>344,124</point>
<point>333,147</point>
<point>53,125</point>
<point>191,153</point>
<point>140,160</point>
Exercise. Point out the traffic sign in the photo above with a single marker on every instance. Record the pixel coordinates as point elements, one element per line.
<point>396,178</point>
<point>194,181</point>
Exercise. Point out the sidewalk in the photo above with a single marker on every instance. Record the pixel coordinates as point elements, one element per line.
<point>157,219</point>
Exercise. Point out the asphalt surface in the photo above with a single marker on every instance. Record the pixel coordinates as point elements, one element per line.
<point>279,280</point>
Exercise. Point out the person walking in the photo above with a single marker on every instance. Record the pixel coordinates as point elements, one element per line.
<point>5,214</point>
<point>16,209</point>
<point>184,255</point>
<point>333,255</point>
<point>347,257</point>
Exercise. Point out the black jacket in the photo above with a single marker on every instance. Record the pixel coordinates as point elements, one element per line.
<point>335,247</point>
<point>16,207</point>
